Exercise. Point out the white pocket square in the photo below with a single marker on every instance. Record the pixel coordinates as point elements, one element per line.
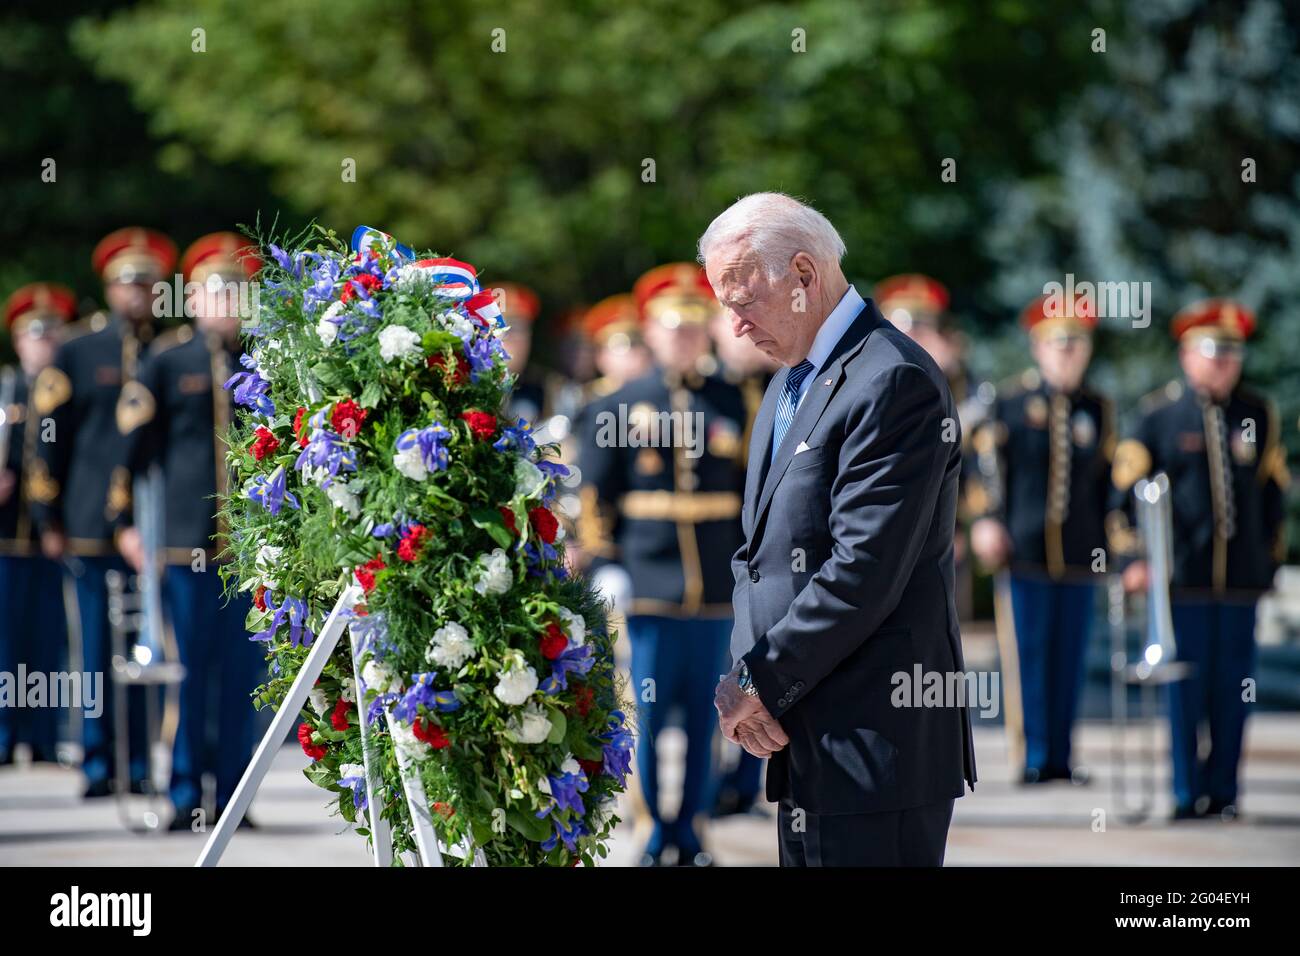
<point>803,447</point>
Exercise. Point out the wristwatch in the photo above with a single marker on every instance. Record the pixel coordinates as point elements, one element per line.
<point>746,681</point>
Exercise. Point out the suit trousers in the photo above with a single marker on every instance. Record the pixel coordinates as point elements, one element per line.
<point>916,836</point>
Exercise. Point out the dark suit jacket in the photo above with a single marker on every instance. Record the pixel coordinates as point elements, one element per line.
<point>846,578</point>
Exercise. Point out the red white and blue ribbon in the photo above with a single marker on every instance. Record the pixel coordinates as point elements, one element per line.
<point>363,237</point>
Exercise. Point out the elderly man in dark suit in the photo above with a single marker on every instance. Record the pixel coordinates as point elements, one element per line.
<point>844,586</point>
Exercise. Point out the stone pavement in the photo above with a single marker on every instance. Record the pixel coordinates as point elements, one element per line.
<point>43,821</point>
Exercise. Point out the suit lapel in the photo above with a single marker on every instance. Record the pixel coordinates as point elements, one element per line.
<point>760,441</point>
<point>824,385</point>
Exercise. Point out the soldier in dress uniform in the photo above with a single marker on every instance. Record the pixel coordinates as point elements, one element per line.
<point>663,479</point>
<point>1044,461</point>
<point>175,413</point>
<point>1217,440</point>
<point>745,365</point>
<point>79,485</point>
<point>613,326</point>
<point>33,627</point>
<point>918,306</point>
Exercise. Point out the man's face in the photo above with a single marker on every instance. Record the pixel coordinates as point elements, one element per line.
<point>762,308</point>
<point>739,354</point>
<point>131,300</point>
<point>623,361</point>
<point>216,308</point>
<point>1063,359</point>
<point>679,349</point>
<point>1215,374</point>
<point>35,352</point>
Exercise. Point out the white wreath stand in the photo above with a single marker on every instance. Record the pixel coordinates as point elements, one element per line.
<point>429,850</point>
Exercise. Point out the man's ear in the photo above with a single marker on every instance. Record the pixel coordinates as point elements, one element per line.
<point>806,267</point>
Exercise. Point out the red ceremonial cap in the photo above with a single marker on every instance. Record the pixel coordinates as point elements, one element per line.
<point>45,302</point>
<point>518,303</point>
<point>1049,314</point>
<point>675,294</point>
<point>911,297</point>
<point>1221,318</point>
<point>610,316</point>
<point>225,254</point>
<point>134,254</point>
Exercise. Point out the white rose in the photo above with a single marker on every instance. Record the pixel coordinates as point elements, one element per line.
<point>327,330</point>
<point>411,464</point>
<point>352,770</point>
<point>494,574</point>
<point>450,647</point>
<point>397,342</point>
<point>529,725</point>
<point>349,691</point>
<point>457,323</point>
<point>379,676</point>
<point>411,277</point>
<point>404,739</point>
<point>570,765</point>
<point>574,626</point>
<point>516,684</point>
<point>342,498</point>
<point>319,702</point>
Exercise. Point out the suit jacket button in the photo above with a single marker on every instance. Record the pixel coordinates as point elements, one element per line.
<point>753,575</point>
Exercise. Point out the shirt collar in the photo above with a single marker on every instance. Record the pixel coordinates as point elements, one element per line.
<point>836,324</point>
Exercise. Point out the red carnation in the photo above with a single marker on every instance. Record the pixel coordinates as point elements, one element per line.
<point>339,719</point>
<point>314,751</point>
<point>584,700</point>
<point>593,768</point>
<point>347,418</point>
<point>412,542</point>
<point>458,377</point>
<point>553,643</point>
<point>297,426</point>
<point>264,444</point>
<point>430,733</point>
<point>446,809</point>
<point>509,517</point>
<point>482,425</point>
<point>366,280</point>
<point>366,573</point>
<point>544,524</point>
<point>259,597</point>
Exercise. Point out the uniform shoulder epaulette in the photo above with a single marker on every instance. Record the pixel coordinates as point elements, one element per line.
<point>604,386</point>
<point>1166,394</point>
<point>1018,384</point>
<point>171,339</point>
<point>87,325</point>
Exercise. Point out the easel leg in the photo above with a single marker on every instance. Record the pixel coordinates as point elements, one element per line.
<point>380,835</point>
<point>287,715</point>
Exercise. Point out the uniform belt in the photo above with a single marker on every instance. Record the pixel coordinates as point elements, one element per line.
<point>691,506</point>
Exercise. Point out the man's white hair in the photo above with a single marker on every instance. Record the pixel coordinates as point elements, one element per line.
<point>775,227</point>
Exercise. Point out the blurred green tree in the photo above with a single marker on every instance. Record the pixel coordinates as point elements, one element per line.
<point>520,135</point>
<point>108,170</point>
<point>1179,166</point>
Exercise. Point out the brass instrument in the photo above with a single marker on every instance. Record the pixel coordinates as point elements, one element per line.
<point>143,654</point>
<point>1156,666</point>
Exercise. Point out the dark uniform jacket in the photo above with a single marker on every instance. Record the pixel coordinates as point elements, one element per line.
<point>1042,462</point>
<point>175,414</point>
<point>846,580</point>
<point>17,532</point>
<point>1227,475</point>
<point>670,515</point>
<point>79,481</point>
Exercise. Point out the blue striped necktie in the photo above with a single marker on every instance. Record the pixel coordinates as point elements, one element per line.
<point>789,402</point>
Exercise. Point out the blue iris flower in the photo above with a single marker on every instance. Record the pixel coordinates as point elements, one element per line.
<point>421,692</point>
<point>327,450</point>
<point>250,389</point>
<point>292,610</point>
<point>271,493</point>
<point>617,749</point>
<point>357,784</point>
<point>517,437</point>
<point>431,442</point>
